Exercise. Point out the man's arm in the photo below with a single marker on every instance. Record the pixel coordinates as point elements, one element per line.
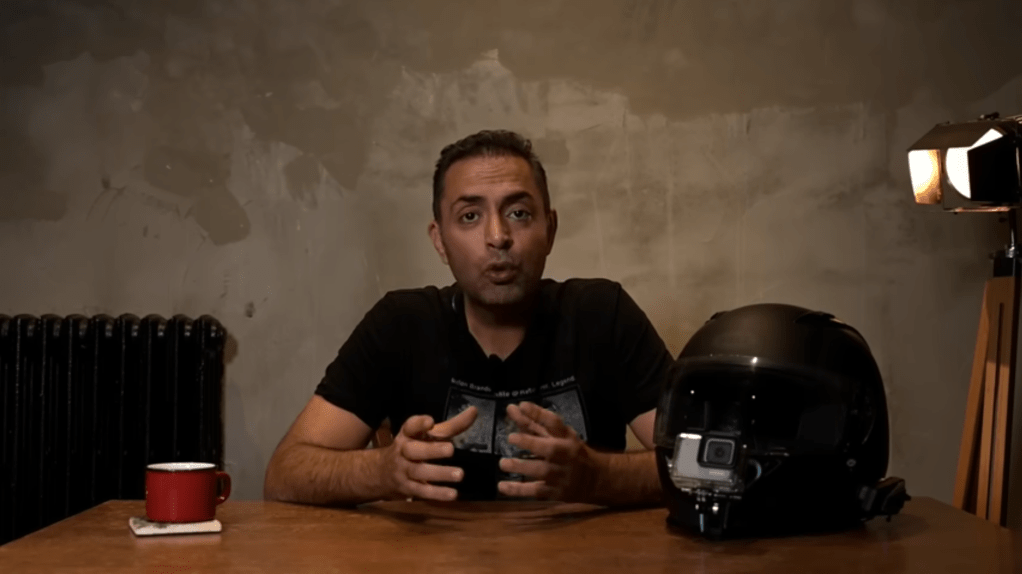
<point>641,364</point>
<point>627,479</point>
<point>630,478</point>
<point>322,459</point>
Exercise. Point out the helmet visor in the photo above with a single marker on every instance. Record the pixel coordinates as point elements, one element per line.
<point>769,407</point>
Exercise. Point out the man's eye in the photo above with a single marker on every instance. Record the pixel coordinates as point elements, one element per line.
<point>519,214</point>
<point>470,217</point>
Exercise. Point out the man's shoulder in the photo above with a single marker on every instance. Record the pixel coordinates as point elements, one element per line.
<point>584,291</point>
<point>591,303</point>
<point>418,301</point>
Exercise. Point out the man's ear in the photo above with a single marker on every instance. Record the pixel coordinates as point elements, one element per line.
<point>551,230</point>
<point>438,243</point>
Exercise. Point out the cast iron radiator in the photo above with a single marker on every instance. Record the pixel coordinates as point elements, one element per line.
<point>87,402</point>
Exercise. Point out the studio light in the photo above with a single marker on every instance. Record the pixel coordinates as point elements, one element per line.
<point>969,166</point>
<point>975,166</point>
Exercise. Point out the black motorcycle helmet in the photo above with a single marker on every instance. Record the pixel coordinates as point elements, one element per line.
<point>773,421</point>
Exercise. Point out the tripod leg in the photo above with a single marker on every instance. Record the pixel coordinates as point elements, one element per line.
<point>964,495</point>
<point>1002,412</point>
<point>994,309</point>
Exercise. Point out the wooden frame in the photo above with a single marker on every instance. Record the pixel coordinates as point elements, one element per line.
<point>983,461</point>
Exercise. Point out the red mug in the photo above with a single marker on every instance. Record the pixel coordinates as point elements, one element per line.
<point>184,491</point>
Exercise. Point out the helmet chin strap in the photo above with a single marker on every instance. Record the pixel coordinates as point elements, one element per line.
<point>885,498</point>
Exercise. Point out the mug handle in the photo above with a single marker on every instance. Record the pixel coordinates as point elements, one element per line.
<point>223,481</point>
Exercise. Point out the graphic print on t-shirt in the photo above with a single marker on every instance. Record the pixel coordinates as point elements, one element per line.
<point>479,436</point>
<point>489,432</point>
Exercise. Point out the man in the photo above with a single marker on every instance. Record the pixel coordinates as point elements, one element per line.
<point>534,380</point>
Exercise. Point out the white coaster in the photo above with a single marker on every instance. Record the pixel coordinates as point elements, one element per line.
<point>142,526</point>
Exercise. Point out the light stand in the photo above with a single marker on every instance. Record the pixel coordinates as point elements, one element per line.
<point>984,457</point>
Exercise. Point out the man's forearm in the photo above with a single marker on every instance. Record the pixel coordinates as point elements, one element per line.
<point>627,479</point>
<point>311,474</point>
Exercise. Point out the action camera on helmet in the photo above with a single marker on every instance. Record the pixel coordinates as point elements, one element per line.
<point>773,421</point>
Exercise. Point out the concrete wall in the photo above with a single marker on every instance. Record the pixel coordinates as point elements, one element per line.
<point>269,163</point>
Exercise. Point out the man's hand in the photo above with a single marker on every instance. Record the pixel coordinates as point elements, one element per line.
<point>566,470</point>
<point>419,440</point>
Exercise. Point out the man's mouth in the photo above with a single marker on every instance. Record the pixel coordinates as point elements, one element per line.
<point>501,273</point>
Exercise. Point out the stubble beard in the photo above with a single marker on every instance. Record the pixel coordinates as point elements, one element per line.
<point>501,295</point>
<point>507,295</point>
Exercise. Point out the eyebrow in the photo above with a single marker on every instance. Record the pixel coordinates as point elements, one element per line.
<point>477,199</point>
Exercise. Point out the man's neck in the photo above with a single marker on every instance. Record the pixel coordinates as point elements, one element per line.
<point>499,330</point>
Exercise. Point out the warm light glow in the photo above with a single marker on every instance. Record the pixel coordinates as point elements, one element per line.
<point>924,168</point>
<point>957,163</point>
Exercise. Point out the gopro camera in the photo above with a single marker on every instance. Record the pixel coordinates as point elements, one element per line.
<point>707,465</point>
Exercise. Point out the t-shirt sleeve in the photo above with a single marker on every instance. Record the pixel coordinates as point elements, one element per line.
<point>642,359</point>
<point>360,378</point>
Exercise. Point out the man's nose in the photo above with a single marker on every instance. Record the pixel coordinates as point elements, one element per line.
<point>498,235</point>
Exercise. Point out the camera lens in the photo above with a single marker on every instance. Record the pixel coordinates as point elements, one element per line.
<point>719,451</point>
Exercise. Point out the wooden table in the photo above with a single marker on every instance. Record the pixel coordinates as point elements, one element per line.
<point>406,537</point>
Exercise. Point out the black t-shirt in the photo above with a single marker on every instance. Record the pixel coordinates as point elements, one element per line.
<point>589,354</point>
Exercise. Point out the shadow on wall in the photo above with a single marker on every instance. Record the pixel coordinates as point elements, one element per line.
<point>242,455</point>
<point>23,170</point>
<point>315,76</point>
<point>204,72</point>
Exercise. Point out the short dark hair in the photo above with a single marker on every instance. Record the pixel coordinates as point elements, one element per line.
<point>488,143</point>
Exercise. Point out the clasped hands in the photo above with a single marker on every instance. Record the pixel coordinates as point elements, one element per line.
<point>563,469</point>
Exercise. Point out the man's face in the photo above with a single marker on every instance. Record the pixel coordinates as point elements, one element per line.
<point>493,232</point>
